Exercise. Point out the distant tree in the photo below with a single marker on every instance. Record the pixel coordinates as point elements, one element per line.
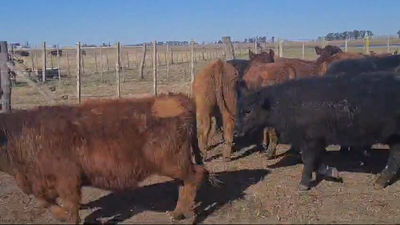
<point>245,40</point>
<point>356,34</point>
<point>362,34</point>
<point>273,38</point>
<point>398,33</point>
<point>369,33</point>
<point>351,34</point>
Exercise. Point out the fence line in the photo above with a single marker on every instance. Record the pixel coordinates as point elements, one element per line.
<point>133,63</point>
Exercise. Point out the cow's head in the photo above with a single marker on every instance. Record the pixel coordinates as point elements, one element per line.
<point>252,111</point>
<point>327,50</point>
<point>264,57</point>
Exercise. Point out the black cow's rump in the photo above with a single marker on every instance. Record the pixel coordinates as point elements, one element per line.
<point>311,113</point>
<point>365,65</point>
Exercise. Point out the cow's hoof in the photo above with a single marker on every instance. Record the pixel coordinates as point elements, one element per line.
<point>181,216</point>
<point>226,159</point>
<point>269,150</point>
<point>60,213</point>
<point>303,188</point>
<point>379,184</point>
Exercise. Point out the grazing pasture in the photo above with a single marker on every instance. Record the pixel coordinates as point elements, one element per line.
<point>254,189</point>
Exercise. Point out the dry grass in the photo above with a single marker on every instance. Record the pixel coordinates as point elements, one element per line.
<point>255,190</point>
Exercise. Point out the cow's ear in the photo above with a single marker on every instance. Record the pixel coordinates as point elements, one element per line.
<point>272,55</point>
<point>318,50</point>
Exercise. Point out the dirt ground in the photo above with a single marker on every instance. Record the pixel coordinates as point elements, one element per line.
<point>254,189</point>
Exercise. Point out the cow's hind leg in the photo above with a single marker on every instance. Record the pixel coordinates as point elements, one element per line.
<point>187,193</point>
<point>391,168</point>
<point>69,190</point>
<point>311,156</point>
<point>270,142</point>
<point>229,129</point>
<point>205,128</point>
<point>182,168</point>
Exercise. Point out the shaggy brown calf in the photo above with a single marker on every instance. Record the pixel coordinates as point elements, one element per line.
<point>262,74</point>
<point>214,91</point>
<point>53,151</point>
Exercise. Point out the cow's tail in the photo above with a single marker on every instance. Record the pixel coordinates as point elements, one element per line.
<point>223,84</point>
<point>198,156</point>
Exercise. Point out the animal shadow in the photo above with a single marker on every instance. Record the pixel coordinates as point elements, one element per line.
<point>352,161</point>
<point>254,138</point>
<point>162,197</point>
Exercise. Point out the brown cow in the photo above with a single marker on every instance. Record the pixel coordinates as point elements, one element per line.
<point>324,66</point>
<point>261,74</point>
<point>214,91</point>
<point>53,151</point>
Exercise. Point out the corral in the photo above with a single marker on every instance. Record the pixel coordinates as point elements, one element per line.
<point>254,189</point>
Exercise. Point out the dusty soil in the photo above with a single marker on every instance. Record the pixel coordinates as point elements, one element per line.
<point>254,189</point>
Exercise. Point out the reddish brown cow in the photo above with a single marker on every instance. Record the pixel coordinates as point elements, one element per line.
<point>214,91</point>
<point>53,151</point>
<point>324,66</point>
<point>262,74</point>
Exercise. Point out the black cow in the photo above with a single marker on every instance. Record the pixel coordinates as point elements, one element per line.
<point>365,65</point>
<point>312,113</point>
<point>21,53</point>
<point>54,52</point>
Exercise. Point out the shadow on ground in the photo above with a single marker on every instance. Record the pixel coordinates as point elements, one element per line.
<point>349,162</point>
<point>162,197</point>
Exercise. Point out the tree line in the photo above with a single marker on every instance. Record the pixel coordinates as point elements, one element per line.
<point>349,35</point>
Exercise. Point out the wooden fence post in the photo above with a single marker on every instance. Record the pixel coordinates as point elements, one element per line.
<point>102,64</point>
<point>345,45</point>
<point>155,67</point>
<point>167,59</point>
<point>32,59</point>
<point>229,50</point>
<point>108,62</point>
<point>117,69</point>
<point>172,56</point>
<point>255,46</point>
<point>67,56</point>
<point>388,44</point>
<point>78,74</point>
<point>280,48</point>
<point>5,79</point>
<point>127,59</point>
<point>58,63</point>
<point>82,63</point>
<point>44,63</point>
<point>367,45</point>
<point>142,61</point>
<point>192,60</point>
<point>36,58</point>
<point>303,51</point>
<point>95,63</point>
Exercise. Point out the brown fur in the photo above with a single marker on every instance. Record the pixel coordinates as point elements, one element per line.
<point>283,69</point>
<point>323,68</point>
<point>113,144</point>
<point>214,90</point>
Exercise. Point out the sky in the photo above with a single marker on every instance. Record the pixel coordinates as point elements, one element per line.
<point>65,22</point>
